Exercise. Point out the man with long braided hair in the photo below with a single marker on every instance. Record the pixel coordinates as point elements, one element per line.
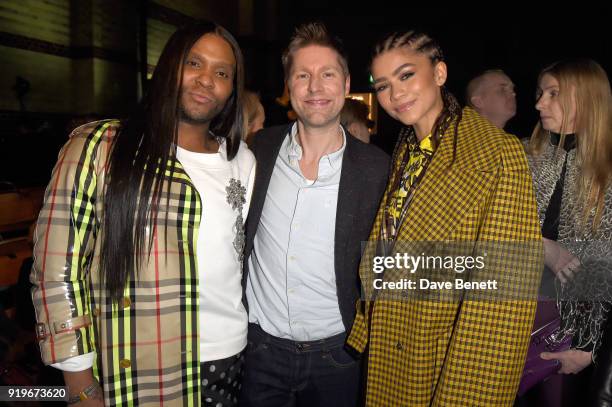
<point>458,185</point>
<point>139,244</point>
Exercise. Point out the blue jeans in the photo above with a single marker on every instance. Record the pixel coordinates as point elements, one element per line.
<point>281,372</point>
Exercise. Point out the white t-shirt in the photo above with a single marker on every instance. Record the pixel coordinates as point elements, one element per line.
<point>223,319</point>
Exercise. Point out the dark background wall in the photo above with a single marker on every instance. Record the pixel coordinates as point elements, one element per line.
<point>83,59</point>
<point>519,38</point>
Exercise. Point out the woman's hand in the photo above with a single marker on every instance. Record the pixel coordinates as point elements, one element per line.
<point>572,360</point>
<point>559,260</point>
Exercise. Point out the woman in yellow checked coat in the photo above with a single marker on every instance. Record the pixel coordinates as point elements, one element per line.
<point>456,178</point>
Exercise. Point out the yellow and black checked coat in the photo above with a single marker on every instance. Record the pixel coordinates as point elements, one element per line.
<point>467,352</point>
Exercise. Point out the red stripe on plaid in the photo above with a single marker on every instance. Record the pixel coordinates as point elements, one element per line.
<point>160,371</point>
<point>44,260</point>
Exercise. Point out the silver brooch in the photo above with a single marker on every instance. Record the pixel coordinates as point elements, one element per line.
<point>236,198</point>
<point>236,194</point>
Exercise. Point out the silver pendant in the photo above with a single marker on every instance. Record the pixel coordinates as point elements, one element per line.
<point>236,198</point>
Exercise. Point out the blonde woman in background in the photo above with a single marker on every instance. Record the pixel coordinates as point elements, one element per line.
<point>570,154</point>
<point>254,115</point>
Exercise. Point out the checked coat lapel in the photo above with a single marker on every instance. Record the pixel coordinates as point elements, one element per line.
<point>436,196</point>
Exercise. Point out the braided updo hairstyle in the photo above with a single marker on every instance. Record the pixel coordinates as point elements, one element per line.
<point>423,43</point>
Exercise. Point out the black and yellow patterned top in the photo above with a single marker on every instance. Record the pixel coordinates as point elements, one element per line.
<point>420,153</point>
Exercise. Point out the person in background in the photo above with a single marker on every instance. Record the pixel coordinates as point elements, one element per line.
<point>570,155</point>
<point>354,118</point>
<point>600,390</point>
<point>492,95</point>
<point>254,115</point>
<point>279,109</point>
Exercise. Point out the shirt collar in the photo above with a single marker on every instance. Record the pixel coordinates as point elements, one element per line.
<point>222,148</point>
<point>425,145</point>
<point>294,150</point>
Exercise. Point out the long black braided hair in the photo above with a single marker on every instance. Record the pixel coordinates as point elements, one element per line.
<point>423,43</point>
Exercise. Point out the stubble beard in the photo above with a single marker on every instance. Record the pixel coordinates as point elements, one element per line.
<point>319,119</point>
<point>193,118</point>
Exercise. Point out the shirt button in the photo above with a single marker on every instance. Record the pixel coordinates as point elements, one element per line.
<point>97,312</point>
<point>291,258</point>
<point>125,363</point>
<point>126,302</point>
<point>399,346</point>
<point>291,291</point>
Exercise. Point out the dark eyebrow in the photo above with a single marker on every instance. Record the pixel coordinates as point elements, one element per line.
<point>395,72</point>
<point>216,63</point>
<point>323,68</point>
<point>224,65</point>
<point>399,68</point>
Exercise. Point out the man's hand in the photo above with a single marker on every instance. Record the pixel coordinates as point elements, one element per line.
<point>78,381</point>
<point>572,360</point>
<point>559,260</point>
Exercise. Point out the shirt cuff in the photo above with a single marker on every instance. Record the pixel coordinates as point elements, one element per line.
<point>77,363</point>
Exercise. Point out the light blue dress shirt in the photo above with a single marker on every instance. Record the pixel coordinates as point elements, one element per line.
<point>291,287</point>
